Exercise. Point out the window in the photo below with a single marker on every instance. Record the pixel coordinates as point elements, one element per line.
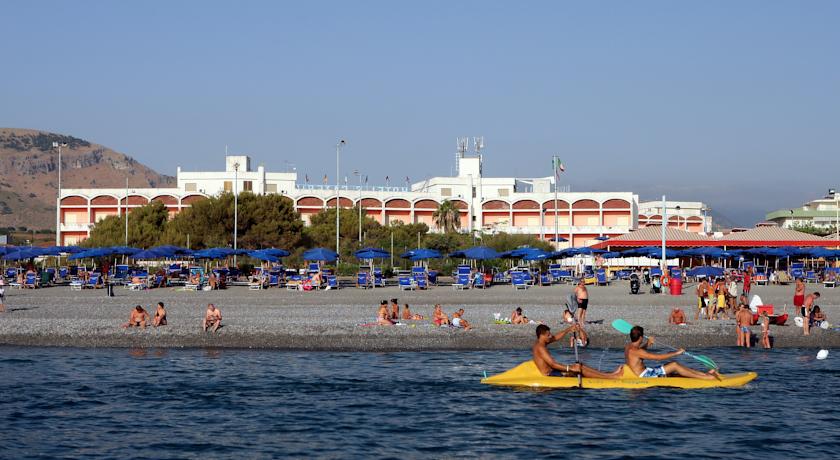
<point>504,192</point>
<point>473,192</point>
<point>228,186</point>
<point>446,191</point>
<point>247,185</point>
<point>190,186</point>
<point>270,188</point>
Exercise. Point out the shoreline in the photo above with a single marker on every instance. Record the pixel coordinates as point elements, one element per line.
<point>329,321</point>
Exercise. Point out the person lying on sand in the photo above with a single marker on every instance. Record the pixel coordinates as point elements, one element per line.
<point>636,352</point>
<point>212,318</point>
<point>383,318</point>
<point>549,367</point>
<point>677,317</point>
<point>160,316</point>
<point>459,321</point>
<point>139,317</point>
<point>408,315</point>
<point>439,317</point>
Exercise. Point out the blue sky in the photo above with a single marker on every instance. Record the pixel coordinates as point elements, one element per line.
<point>733,103</point>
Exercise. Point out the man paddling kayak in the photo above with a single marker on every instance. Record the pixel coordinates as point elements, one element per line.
<point>636,352</point>
<point>548,366</point>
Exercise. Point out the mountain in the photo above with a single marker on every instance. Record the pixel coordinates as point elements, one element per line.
<point>29,179</point>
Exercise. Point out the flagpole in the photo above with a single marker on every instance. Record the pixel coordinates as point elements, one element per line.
<point>556,224</point>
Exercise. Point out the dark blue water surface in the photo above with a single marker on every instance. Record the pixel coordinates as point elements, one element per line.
<point>151,403</point>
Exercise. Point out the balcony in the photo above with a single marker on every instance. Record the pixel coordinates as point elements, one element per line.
<point>75,227</point>
<point>562,229</point>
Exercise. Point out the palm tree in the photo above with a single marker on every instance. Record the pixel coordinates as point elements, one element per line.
<point>447,216</point>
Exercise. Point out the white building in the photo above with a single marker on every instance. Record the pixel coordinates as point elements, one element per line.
<point>821,213</point>
<point>692,216</point>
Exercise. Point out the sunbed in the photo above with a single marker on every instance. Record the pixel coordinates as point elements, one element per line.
<point>31,281</point>
<point>478,281</point>
<point>405,283</point>
<point>517,279</point>
<point>94,281</point>
<point>462,281</point>
<point>601,275</point>
<point>363,280</point>
<point>332,282</point>
<point>378,280</point>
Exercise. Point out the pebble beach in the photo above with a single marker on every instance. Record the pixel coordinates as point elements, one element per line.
<point>333,320</point>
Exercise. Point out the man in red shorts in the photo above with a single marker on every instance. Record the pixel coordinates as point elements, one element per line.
<point>799,294</point>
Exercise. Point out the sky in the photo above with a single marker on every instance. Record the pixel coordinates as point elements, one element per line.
<point>736,104</point>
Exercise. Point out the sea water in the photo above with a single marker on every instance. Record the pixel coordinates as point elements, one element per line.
<point>155,403</point>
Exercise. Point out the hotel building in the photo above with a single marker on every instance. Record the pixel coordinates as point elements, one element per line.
<point>821,213</point>
<point>486,204</point>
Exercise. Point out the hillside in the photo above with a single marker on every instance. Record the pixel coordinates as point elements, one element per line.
<point>29,179</point>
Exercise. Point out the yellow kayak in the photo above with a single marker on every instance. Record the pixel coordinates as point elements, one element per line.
<point>527,375</point>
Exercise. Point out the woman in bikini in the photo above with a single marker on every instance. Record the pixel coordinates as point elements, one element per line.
<point>407,315</point>
<point>160,316</point>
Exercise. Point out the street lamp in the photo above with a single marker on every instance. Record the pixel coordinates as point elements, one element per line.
<point>357,173</point>
<point>678,208</point>
<point>235,208</point>
<point>337,193</point>
<point>58,145</point>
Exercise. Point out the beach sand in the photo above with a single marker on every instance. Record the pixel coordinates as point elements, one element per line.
<point>329,320</point>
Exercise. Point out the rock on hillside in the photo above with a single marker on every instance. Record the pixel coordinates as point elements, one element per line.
<point>29,179</point>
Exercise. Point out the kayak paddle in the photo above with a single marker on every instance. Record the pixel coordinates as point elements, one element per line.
<point>624,327</point>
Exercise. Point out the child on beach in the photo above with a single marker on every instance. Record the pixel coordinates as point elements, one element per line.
<point>407,315</point>
<point>765,330</point>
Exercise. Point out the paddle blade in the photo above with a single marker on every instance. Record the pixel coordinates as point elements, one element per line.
<point>622,326</point>
<point>708,362</point>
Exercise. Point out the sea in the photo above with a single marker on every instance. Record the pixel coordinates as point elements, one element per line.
<point>231,403</point>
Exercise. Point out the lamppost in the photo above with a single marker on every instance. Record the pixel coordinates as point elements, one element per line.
<point>337,193</point>
<point>678,208</point>
<point>357,173</point>
<point>58,145</point>
<point>126,210</point>
<point>235,208</point>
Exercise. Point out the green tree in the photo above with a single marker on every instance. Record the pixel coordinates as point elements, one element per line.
<point>447,217</point>
<point>812,230</point>
<point>145,226</point>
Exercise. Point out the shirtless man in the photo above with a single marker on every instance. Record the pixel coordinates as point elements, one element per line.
<point>439,317</point>
<point>383,318</point>
<point>548,366</point>
<point>702,292</point>
<point>459,321</point>
<point>160,316</point>
<point>743,321</point>
<point>799,293</point>
<point>636,352</point>
<point>212,318</point>
<point>395,309</point>
<point>677,317</point>
<point>582,296</point>
<point>807,306</point>
<point>139,318</point>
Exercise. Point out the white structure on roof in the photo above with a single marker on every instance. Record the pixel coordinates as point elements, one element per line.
<point>486,204</point>
<point>692,216</point>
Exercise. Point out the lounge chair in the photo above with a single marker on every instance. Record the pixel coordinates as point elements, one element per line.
<point>31,281</point>
<point>797,270</point>
<point>76,284</point>
<point>601,275</point>
<point>363,280</point>
<point>462,281</point>
<point>293,282</point>
<point>63,273</point>
<point>192,285</point>
<point>478,281</point>
<point>545,279</point>
<point>120,274</point>
<point>95,281</point>
<point>332,281</point>
<point>811,276</point>
<point>432,276</point>
<point>378,280</point>
<point>139,281</point>
<point>405,283</point>
<point>517,279</point>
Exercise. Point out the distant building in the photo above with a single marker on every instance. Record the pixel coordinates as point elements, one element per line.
<point>486,204</point>
<point>819,213</point>
<point>691,216</point>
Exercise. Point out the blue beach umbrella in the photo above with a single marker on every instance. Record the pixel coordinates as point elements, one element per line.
<point>372,253</point>
<point>148,254</point>
<point>264,256</point>
<point>537,254</point>
<point>320,254</point>
<point>275,252</point>
<point>24,254</point>
<point>480,253</point>
<point>708,272</point>
<point>421,254</point>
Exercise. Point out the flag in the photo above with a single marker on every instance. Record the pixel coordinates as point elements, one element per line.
<point>366,178</point>
<point>307,178</point>
<point>345,180</point>
<point>325,178</point>
<point>558,167</point>
<point>407,179</point>
<point>387,180</point>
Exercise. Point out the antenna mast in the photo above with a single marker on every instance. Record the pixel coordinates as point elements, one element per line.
<point>462,144</point>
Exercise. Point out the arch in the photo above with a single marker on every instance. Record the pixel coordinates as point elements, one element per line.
<point>103,200</point>
<point>460,204</point>
<point>561,204</point>
<point>526,204</point>
<point>310,201</point>
<point>135,200</point>
<point>190,199</point>
<point>344,202</point>
<point>74,200</point>
<point>585,204</point>
<point>495,205</point>
<point>675,219</point>
<point>371,203</point>
<point>642,217</point>
<point>616,204</point>
<point>425,204</point>
<point>695,219</point>
<point>397,203</point>
<point>168,200</point>
<point>655,217</point>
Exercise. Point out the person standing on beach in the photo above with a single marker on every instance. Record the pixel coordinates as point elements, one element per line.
<point>799,294</point>
<point>582,296</point>
<point>702,291</point>
<point>765,330</point>
<point>2,295</point>
<point>743,321</point>
<point>807,306</point>
<point>733,295</point>
<point>748,282</point>
<point>212,318</point>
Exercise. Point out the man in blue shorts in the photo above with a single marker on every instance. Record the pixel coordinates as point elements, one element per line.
<point>636,352</point>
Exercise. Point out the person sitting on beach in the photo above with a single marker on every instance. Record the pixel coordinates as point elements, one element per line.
<point>406,314</point>
<point>213,281</point>
<point>743,321</point>
<point>517,317</point>
<point>139,317</point>
<point>677,317</point>
<point>212,318</point>
<point>383,318</point>
<point>459,321</point>
<point>160,316</point>
<point>439,317</point>
<point>807,306</point>
<point>395,309</point>
<point>549,367</point>
<point>316,280</point>
<point>817,317</point>
<point>636,352</point>
<point>195,278</point>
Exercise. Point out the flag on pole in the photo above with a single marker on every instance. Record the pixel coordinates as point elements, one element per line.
<point>345,180</point>
<point>366,178</point>
<point>407,179</point>
<point>387,180</point>
<point>325,179</point>
<point>307,178</point>
<point>558,167</point>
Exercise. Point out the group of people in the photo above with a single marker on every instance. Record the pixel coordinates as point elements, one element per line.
<point>717,300</point>
<point>811,314</point>
<point>139,317</point>
<point>391,316</point>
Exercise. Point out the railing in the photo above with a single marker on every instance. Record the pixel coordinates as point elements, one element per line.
<point>351,188</point>
<point>75,227</point>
